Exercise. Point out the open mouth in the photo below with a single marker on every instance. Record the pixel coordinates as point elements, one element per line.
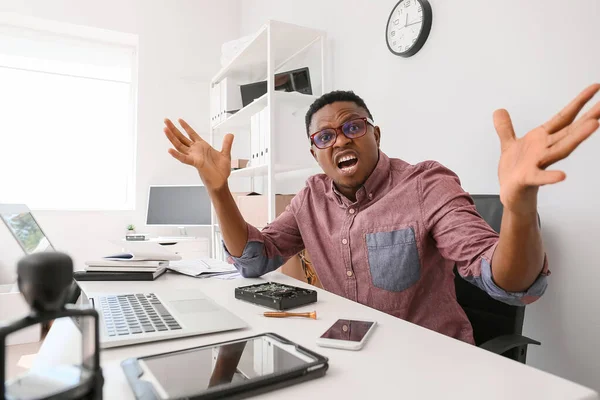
<point>347,164</point>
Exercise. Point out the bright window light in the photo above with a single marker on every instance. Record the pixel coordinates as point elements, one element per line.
<point>67,139</point>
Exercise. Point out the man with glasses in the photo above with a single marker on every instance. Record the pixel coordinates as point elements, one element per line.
<point>386,233</point>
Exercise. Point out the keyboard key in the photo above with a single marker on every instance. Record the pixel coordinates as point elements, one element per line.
<point>161,310</point>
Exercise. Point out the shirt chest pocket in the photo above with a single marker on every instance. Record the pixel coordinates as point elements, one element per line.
<point>393,259</point>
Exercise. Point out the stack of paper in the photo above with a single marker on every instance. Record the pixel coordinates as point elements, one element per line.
<point>202,267</point>
<point>152,264</point>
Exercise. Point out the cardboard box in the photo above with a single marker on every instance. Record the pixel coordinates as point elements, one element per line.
<point>239,163</point>
<point>254,207</point>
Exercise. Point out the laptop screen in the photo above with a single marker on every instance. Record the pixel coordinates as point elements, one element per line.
<point>27,231</point>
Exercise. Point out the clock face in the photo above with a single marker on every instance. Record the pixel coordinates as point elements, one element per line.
<point>408,27</point>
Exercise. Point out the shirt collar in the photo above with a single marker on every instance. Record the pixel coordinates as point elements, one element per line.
<point>375,183</point>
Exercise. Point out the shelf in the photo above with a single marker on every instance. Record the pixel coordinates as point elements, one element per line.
<point>262,170</point>
<point>242,118</point>
<point>295,99</point>
<point>286,40</point>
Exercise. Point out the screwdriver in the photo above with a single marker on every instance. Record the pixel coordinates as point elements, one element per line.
<point>284,314</point>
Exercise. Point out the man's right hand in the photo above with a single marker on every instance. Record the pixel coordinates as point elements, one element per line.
<point>213,166</point>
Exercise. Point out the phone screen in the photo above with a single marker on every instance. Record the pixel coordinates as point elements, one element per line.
<point>347,329</point>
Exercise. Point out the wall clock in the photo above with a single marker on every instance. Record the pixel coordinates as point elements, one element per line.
<point>408,27</point>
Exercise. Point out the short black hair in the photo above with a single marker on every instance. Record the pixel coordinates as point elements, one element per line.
<point>332,97</point>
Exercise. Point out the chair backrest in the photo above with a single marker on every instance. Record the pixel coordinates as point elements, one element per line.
<point>490,318</point>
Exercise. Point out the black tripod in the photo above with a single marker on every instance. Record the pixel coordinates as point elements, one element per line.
<point>44,280</point>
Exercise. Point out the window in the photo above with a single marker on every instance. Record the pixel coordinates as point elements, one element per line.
<point>67,138</point>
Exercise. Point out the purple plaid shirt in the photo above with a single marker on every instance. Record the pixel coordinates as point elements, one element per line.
<point>393,249</point>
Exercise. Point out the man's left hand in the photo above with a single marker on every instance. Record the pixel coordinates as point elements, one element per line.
<point>523,161</point>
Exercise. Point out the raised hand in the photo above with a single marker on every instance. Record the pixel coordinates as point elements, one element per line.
<point>213,166</point>
<point>523,162</point>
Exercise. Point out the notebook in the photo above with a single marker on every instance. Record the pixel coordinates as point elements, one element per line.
<point>117,276</point>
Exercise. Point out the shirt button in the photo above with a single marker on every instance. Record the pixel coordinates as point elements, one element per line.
<point>370,195</point>
<point>349,273</point>
<point>351,211</point>
<point>345,328</point>
<point>344,241</point>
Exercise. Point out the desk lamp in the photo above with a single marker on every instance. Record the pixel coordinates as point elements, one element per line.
<point>44,280</point>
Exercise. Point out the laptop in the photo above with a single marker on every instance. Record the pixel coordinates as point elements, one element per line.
<point>131,318</point>
<point>25,229</point>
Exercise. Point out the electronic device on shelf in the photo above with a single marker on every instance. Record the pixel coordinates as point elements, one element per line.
<point>276,295</point>
<point>297,80</point>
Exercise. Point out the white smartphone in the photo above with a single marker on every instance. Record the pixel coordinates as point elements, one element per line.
<point>347,334</point>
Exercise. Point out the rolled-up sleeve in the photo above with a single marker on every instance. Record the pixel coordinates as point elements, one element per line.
<point>269,249</point>
<point>486,282</point>
<point>461,235</point>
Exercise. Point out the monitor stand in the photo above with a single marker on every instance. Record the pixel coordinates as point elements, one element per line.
<point>183,236</point>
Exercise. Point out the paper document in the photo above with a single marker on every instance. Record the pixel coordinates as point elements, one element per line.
<point>233,275</point>
<point>202,267</point>
<point>142,251</point>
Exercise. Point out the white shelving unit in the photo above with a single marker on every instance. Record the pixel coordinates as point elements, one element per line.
<point>276,47</point>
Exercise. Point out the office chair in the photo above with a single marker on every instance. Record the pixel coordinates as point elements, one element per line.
<point>497,326</point>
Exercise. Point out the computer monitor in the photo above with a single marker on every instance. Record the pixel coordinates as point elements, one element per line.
<point>25,229</point>
<point>179,206</point>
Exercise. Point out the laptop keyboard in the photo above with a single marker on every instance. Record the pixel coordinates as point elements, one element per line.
<point>132,314</point>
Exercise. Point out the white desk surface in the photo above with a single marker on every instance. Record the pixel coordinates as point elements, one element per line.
<point>400,360</point>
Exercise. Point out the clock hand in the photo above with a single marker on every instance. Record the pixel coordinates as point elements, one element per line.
<point>406,21</point>
<point>413,23</point>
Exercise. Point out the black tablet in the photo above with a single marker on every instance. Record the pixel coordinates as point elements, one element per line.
<point>234,370</point>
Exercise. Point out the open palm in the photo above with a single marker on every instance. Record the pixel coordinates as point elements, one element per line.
<point>213,166</point>
<point>523,161</point>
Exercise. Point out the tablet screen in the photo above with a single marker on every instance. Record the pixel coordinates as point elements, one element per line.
<point>190,372</point>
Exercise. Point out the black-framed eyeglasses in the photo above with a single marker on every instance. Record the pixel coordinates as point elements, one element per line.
<point>352,129</point>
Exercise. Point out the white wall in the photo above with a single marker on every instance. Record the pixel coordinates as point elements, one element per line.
<point>530,57</point>
<point>179,50</point>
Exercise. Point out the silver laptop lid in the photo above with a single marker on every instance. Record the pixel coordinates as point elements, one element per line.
<point>24,228</point>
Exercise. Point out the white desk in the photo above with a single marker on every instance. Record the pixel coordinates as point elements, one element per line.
<point>401,360</point>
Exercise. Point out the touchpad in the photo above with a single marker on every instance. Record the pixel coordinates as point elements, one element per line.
<point>192,306</point>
